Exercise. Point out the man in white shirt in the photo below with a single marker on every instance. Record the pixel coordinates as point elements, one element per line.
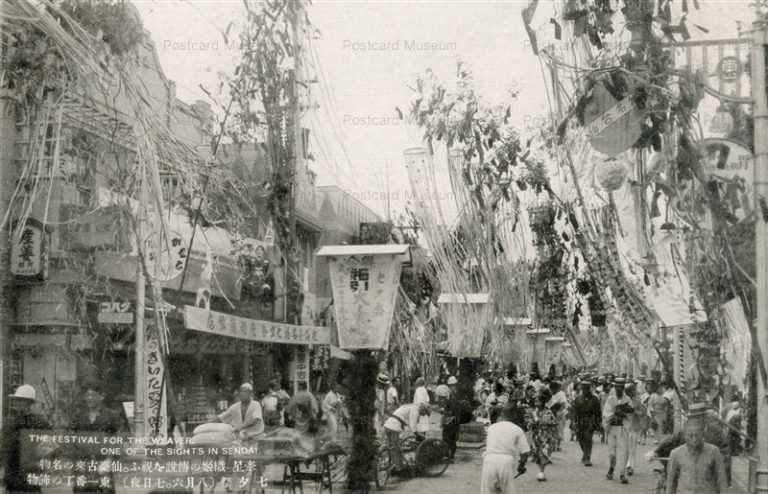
<point>245,415</point>
<point>616,411</point>
<point>421,396</point>
<point>382,383</point>
<point>406,416</point>
<point>506,451</point>
<point>393,398</point>
<point>331,410</point>
<point>271,406</point>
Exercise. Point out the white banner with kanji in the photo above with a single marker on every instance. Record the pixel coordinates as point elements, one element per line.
<point>156,416</point>
<point>364,293</point>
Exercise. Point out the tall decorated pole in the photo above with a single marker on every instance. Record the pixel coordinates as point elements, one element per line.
<point>139,405</point>
<point>364,281</point>
<point>760,113</point>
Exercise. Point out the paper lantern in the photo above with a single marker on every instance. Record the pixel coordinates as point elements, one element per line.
<point>611,174</point>
<point>364,281</point>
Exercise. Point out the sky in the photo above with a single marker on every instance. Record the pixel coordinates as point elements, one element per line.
<point>367,54</point>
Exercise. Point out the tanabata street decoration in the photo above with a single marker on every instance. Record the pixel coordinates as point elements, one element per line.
<point>611,174</point>
<point>467,316</point>
<point>613,126</point>
<point>364,281</point>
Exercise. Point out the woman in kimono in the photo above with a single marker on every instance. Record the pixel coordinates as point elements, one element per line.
<point>543,433</point>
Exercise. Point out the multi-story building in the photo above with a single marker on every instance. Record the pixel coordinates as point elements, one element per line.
<point>69,279</point>
<point>341,214</point>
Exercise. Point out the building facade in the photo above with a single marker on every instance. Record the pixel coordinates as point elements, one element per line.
<point>68,267</point>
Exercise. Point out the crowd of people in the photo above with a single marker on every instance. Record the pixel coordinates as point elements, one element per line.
<point>622,412</point>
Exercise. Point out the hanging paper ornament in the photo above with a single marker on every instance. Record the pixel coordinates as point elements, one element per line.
<point>611,174</point>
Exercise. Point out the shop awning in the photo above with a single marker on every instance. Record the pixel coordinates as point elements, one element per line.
<point>222,324</point>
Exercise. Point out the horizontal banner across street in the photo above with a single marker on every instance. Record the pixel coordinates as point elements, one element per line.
<point>222,324</point>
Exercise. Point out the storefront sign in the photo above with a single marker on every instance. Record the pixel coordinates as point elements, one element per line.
<point>300,367</point>
<point>155,399</point>
<point>222,324</point>
<point>115,313</point>
<point>732,165</point>
<point>364,285</point>
<point>28,249</point>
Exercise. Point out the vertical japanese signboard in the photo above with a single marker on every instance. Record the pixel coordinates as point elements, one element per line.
<point>155,399</point>
<point>300,366</point>
<point>28,250</point>
<point>364,291</point>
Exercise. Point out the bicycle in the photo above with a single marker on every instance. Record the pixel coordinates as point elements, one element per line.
<point>427,457</point>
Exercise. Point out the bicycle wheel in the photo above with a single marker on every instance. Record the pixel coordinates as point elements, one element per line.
<point>409,443</point>
<point>382,468</point>
<point>432,457</point>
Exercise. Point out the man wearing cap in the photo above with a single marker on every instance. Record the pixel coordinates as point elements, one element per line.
<point>382,383</point>
<point>421,395</point>
<point>393,397</point>
<point>505,449</point>
<point>406,416</point>
<point>587,418</point>
<point>452,412</point>
<point>245,415</point>
<point>713,432</point>
<point>615,413</point>
<point>696,467</point>
<point>22,419</point>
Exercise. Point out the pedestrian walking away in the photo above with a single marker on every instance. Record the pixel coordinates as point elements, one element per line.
<point>506,453</point>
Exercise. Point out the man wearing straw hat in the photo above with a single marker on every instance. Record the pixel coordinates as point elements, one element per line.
<point>615,412</point>
<point>696,467</point>
<point>23,419</point>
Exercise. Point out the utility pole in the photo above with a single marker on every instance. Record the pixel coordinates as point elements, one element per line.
<point>7,178</point>
<point>139,406</point>
<point>297,148</point>
<point>760,114</point>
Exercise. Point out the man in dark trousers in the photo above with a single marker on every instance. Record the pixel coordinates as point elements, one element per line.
<point>22,420</point>
<point>452,414</point>
<point>587,418</point>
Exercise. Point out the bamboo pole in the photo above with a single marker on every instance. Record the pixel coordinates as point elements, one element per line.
<point>760,113</point>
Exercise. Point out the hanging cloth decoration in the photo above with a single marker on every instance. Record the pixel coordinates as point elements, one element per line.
<point>613,126</point>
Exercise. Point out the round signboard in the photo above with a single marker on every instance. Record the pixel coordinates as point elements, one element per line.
<point>731,164</point>
<point>165,256</point>
<point>729,69</point>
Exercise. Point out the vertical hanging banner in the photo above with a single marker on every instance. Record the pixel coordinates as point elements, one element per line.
<point>156,421</point>
<point>364,281</point>
<point>28,250</point>
<point>300,366</point>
